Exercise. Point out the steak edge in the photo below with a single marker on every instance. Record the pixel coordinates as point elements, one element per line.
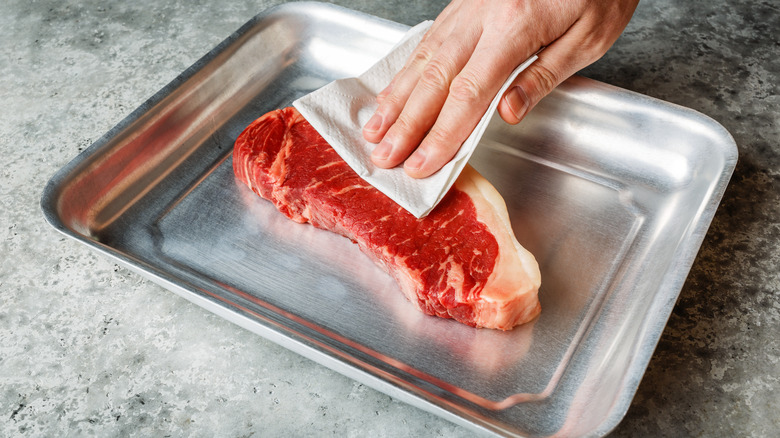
<point>462,261</point>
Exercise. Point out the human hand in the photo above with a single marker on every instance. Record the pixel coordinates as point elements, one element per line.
<point>436,100</point>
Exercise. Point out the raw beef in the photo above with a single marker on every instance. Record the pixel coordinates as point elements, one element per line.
<point>461,261</point>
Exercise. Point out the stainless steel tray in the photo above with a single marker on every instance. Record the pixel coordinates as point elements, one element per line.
<point>611,190</point>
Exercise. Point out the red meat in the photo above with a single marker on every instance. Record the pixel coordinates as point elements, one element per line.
<point>461,261</point>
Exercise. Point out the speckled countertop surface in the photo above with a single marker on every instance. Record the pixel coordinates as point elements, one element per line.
<point>89,348</point>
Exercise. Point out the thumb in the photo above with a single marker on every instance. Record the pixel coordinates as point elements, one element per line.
<point>559,60</point>
<point>532,84</point>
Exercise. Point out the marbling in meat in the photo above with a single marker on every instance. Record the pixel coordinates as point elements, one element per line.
<point>461,261</point>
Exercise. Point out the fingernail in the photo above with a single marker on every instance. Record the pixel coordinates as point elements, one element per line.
<point>518,102</point>
<point>373,124</point>
<point>416,161</point>
<point>382,150</point>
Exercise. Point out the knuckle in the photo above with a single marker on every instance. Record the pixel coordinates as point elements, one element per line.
<point>421,56</point>
<point>391,103</point>
<point>406,125</point>
<point>440,144</point>
<point>466,89</point>
<point>544,78</point>
<point>435,76</point>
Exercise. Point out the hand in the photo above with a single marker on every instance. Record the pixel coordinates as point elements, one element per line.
<point>436,100</point>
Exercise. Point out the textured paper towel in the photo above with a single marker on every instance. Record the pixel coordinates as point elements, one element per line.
<point>339,110</point>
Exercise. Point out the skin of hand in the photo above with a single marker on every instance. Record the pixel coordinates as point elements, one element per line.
<point>435,101</point>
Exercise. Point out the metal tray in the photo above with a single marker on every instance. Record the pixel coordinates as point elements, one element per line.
<point>611,190</point>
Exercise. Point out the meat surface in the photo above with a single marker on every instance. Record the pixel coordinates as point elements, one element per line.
<point>461,261</point>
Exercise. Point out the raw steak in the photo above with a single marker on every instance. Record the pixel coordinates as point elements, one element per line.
<point>461,261</point>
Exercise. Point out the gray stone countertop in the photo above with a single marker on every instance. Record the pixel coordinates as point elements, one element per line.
<point>91,349</point>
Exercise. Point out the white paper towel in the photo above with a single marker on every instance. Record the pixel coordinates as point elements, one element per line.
<point>339,110</point>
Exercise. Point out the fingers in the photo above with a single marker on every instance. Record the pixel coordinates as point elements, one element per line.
<point>435,102</point>
<point>470,94</point>
<point>441,25</point>
<point>422,107</point>
<point>393,98</point>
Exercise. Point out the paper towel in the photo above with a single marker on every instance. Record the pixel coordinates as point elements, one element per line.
<point>339,110</point>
